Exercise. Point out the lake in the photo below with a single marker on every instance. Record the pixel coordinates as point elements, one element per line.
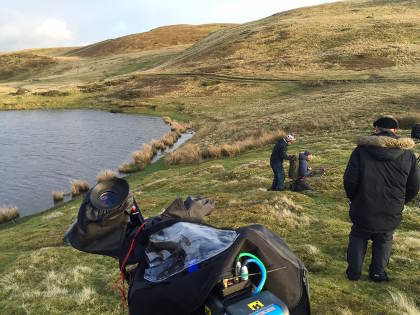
<point>41,151</point>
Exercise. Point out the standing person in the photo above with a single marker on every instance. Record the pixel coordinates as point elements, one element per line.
<point>278,155</point>
<point>305,171</point>
<point>381,176</point>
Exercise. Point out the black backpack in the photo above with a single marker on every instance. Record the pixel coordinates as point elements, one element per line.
<point>294,167</point>
<point>415,132</point>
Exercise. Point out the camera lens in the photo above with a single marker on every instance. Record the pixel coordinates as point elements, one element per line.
<point>109,194</point>
<point>109,198</point>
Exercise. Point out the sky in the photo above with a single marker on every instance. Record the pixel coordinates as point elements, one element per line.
<point>55,23</point>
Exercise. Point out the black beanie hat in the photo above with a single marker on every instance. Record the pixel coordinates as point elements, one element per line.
<point>307,152</point>
<point>386,122</point>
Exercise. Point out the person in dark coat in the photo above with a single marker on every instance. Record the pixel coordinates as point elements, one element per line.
<point>278,155</point>
<point>305,171</point>
<point>381,176</point>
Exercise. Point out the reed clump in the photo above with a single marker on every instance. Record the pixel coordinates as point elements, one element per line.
<point>192,153</point>
<point>141,159</point>
<point>8,213</point>
<point>127,167</point>
<point>144,157</point>
<point>106,175</point>
<point>78,187</point>
<point>158,145</point>
<point>58,196</point>
<point>177,126</point>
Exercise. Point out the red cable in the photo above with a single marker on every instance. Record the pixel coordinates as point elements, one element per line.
<point>123,298</point>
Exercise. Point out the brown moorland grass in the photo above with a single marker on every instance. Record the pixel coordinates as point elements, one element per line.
<point>170,138</point>
<point>140,159</point>
<point>8,213</point>
<point>22,64</point>
<point>78,187</point>
<point>158,145</point>
<point>127,167</point>
<point>177,126</point>
<point>58,196</point>
<point>160,37</point>
<point>191,153</point>
<point>144,157</point>
<point>106,175</point>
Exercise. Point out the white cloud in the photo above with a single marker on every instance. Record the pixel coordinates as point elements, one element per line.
<point>20,31</point>
<point>53,29</point>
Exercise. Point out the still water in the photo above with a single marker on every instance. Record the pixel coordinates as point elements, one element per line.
<point>41,151</point>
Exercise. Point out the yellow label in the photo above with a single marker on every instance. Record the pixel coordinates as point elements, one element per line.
<point>207,310</point>
<point>255,305</point>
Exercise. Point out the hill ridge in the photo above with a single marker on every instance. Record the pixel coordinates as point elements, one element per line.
<point>160,37</point>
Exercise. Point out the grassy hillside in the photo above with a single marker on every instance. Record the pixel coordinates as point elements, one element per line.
<point>23,65</point>
<point>354,35</point>
<point>160,37</point>
<point>57,68</point>
<point>348,63</point>
<point>50,52</point>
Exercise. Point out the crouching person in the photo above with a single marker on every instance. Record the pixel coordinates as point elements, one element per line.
<point>381,176</point>
<point>301,184</point>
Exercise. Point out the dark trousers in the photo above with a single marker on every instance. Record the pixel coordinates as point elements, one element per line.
<point>381,250</point>
<point>301,184</point>
<point>279,176</point>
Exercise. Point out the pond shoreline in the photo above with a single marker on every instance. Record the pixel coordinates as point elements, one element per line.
<point>159,156</point>
<point>38,175</point>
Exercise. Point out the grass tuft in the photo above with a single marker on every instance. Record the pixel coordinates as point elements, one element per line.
<point>158,145</point>
<point>127,167</point>
<point>177,126</point>
<point>106,175</point>
<point>58,196</point>
<point>78,187</point>
<point>8,213</point>
<point>404,304</point>
<point>140,160</point>
<point>190,153</point>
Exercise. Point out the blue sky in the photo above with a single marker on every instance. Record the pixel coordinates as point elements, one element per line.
<point>53,23</point>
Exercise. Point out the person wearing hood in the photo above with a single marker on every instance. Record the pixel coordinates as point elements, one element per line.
<point>278,155</point>
<point>381,176</point>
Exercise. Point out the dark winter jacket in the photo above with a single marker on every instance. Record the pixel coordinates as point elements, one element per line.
<point>279,153</point>
<point>303,165</point>
<point>382,175</point>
